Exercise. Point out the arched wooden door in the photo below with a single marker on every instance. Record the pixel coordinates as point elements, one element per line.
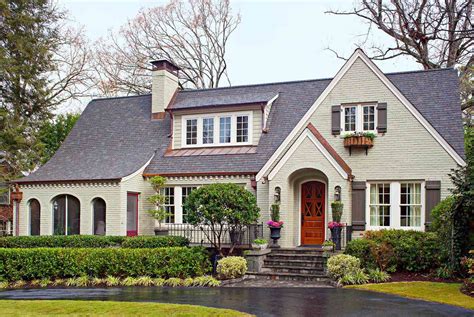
<point>313,208</point>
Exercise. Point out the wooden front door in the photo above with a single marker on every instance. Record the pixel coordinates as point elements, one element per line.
<point>313,205</point>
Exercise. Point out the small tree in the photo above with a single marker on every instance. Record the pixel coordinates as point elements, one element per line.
<point>220,208</point>
<point>159,213</point>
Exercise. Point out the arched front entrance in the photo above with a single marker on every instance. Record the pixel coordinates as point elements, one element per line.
<point>313,209</point>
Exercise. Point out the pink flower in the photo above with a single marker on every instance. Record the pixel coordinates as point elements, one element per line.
<point>334,224</point>
<point>275,224</point>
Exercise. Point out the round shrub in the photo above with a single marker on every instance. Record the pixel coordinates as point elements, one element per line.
<point>341,265</point>
<point>231,267</point>
<point>362,249</point>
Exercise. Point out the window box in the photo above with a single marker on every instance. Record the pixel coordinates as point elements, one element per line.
<point>358,141</point>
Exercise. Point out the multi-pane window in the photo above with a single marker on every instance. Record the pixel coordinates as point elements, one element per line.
<point>242,129</point>
<point>4,194</point>
<point>350,118</point>
<point>410,205</point>
<point>358,118</point>
<point>208,130</point>
<point>369,118</point>
<point>168,192</point>
<point>191,131</point>
<point>185,191</point>
<point>225,129</point>
<point>379,205</point>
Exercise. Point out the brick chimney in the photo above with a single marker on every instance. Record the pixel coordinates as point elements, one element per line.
<point>164,86</point>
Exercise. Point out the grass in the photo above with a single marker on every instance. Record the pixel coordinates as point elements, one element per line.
<point>445,293</point>
<point>98,308</point>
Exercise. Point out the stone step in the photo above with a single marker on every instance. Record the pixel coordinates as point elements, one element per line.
<point>292,269</point>
<point>290,257</point>
<point>314,251</point>
<point>298,263</point>
<point>291,276</point>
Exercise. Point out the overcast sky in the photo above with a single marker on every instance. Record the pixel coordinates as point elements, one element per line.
<point>276,40</point>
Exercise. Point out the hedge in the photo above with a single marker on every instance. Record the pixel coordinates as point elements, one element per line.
<point>85,241</point>
<point>58,263</point>
<point>413,251</point>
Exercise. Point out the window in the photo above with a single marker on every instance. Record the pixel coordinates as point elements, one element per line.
<point>379,205</point>
<point>168,192</point>
<point>98,209</point>
<point>225,129</point>
<point>66,215</point>
<point>211,130</point>
<point>35,213</point>
<point>185,191</point>
<point>358,118</point>
<point>208,130</point>
<point>4,194</point>
<point>242,129</point>
<point>191,131</point>
<point>410,205</point>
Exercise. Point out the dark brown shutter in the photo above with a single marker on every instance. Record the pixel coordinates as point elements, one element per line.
<point>432,197</point>
<point>382,117</point>
<point>336,120</point>
<point>358,205</point>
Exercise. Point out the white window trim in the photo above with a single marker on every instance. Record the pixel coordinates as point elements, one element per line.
<point>395,205</point>
<point>178,204</point>
<point>359,117</point>
<point>217,117</point>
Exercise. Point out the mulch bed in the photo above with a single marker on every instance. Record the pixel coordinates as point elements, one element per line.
<point>426,277</point>
<point>468,288</point>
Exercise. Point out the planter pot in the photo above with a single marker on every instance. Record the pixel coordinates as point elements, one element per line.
<point>274,235</point>
<point>336,236</point>
<point>259,246</point>
<point>161,231</point>
<point>358,141</point>
<point>236,237</point>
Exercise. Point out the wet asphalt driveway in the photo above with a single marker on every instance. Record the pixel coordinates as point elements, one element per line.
<point>259,301</point>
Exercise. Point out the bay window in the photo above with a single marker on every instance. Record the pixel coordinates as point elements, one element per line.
<point>226,129</point>
<point>359,118</point>
<point>395,204</point>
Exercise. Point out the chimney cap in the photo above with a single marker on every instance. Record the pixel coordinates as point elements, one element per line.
<point>164,64</point>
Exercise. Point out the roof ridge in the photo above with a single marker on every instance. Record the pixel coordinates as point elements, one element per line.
<point>421,71</point>
<point>120,97</point>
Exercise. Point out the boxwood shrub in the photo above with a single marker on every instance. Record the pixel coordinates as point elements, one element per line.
<point>88,241</point>
<point>58,263</point>
<point>413,251</point>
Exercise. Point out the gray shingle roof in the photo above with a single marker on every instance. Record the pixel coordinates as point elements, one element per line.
<point>213,98</point>
<point>115,137</point>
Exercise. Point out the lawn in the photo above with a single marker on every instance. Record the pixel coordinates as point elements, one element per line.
<point>96,308</point>
<point>445,293</point>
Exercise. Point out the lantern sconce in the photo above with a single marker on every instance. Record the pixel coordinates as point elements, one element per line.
<point>337,193</point>
<point>277,195</point>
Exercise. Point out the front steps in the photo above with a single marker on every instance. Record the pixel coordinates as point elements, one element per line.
<point>294,264</point>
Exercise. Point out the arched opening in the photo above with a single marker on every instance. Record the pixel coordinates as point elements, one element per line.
<point>35,213</point>
<point>98,208</point>
<point>66,215</point>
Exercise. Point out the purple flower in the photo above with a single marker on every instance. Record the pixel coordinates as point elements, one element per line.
<point>275,224</point>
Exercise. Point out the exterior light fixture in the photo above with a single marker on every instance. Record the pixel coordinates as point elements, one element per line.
<point>337,193</point>
<point>277,195</point>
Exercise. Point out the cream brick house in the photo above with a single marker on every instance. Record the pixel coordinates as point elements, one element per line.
<point>282,141</point>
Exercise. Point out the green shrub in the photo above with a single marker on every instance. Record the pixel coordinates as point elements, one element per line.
<point>341,265</point>
<point>355,277</point>
<point>59,263</point>
<point>173,282</point>
<point>155,242</point>
<point>85,241</point>
<point>378,276</point>
<point>231,267</point>
<point>206,280</point>
<point>362,249</point>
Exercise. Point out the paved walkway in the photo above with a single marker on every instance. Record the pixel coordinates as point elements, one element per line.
<point>259,301</point>
<point>267,283</point>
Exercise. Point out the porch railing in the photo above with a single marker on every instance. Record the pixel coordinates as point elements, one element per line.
<point>199,235</point>
<point>346,235</point>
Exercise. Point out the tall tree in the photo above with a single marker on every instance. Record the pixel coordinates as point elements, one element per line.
<point>436,33</point>
<point>193,34</point>
<point>42,64</point>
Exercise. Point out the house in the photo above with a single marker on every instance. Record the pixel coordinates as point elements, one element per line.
<point>283,141</point>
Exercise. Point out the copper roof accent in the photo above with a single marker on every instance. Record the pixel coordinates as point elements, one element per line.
<point>330,149</point>
<point>213,151</point>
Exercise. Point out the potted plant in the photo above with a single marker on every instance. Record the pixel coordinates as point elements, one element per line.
<point>259,244</point>
<point>359,139</point>
<point>328,245</point>
<point>159,213</point>
<point>275,225</point>
<point>336,228</point>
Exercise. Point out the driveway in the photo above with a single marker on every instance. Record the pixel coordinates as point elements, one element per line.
<point>259,301</point>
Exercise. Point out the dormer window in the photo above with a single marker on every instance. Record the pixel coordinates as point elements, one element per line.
<point>223,129</point>
<point>358,118</point>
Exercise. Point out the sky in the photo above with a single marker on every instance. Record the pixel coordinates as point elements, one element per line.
<point>276,40</point>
